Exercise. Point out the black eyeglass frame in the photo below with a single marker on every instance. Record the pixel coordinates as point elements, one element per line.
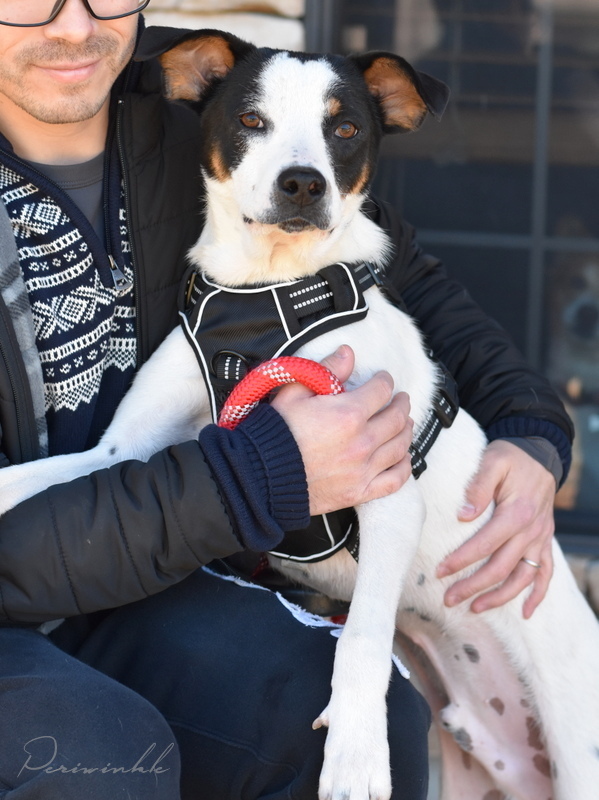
<point>60,6</point>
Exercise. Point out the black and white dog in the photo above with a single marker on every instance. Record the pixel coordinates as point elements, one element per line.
<point>289,146</point>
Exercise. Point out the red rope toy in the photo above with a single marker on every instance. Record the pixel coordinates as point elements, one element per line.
<point>267,376</point>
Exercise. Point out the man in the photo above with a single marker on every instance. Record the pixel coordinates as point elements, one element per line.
<point>100,207</point>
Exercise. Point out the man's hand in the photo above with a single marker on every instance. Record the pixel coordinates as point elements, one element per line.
<point>354,445</point>
<point>522,526</point>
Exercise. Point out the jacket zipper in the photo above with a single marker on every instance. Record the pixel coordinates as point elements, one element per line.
<point>140,354</point>
<point>28,446</point>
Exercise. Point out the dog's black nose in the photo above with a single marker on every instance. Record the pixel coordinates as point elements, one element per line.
<point>301,185</point>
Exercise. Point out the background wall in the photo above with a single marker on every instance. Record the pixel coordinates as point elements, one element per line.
<point>275,23</point>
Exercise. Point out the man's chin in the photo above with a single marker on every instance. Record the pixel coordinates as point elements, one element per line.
<point>63,105</point>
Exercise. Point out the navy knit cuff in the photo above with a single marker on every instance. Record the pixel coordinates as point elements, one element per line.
<point>277,455</point>
<point>514,427</point>
<point>260,474</point>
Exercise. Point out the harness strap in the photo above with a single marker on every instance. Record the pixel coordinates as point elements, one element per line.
<point>441,415</point>
<point>233,329</point>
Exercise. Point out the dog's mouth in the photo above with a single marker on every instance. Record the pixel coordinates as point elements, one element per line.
<point>296,225</point>
<point>291,225</point>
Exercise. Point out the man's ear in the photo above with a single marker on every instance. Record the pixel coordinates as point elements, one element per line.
<point>191,60</point>
<point>404,95</point>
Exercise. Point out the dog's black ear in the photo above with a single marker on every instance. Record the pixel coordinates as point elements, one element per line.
<point>404,95</point>
<point>191,60</point>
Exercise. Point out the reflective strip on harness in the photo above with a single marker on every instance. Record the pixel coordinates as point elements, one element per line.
<point>233,329</point>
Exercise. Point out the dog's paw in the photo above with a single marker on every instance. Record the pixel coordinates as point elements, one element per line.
<point>356,767</point>
<point>355,776</point>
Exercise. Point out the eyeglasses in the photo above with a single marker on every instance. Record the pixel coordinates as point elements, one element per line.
<point>32,13</point>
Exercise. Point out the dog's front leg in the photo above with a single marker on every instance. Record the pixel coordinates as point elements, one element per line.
<point>167,404</point>
<point>356,763</point>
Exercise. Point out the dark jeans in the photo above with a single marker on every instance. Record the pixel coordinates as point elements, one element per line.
<point>236,676</point>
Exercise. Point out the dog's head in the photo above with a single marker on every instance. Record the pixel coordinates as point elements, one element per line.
<point>290,138</point>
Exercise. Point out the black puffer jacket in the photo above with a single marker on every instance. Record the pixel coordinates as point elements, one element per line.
<point>134,529</point>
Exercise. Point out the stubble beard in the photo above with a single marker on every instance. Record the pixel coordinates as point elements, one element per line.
<point>71,103</point>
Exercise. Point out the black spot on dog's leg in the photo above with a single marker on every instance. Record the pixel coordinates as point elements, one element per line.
<point>542,764</point>
<point>112,451</point>
<point>534,734</point>
<point>497,704</point>
<point>472,653</point>
<point>421,579</point>
<point>463,738</point>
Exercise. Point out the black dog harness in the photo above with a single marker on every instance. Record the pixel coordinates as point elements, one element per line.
<point>233,329</point>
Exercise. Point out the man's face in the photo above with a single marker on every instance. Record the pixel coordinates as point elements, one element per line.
<point>63,72</point>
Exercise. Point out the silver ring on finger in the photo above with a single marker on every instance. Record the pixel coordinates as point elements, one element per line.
<point>531,562</point>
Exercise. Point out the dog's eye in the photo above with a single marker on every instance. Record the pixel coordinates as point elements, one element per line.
<point>251,120</point>
<point>347,130</point>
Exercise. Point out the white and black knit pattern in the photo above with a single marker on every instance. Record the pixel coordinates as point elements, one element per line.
<point>84,326</point>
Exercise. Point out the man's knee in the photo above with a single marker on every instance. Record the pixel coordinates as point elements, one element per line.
<point>71,732</point>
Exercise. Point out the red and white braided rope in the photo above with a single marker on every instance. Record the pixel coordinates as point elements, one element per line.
<point>276,372</point>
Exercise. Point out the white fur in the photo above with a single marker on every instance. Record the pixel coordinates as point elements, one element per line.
<point>545,668</point>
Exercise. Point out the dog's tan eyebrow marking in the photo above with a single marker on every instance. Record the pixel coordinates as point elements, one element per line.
<point>334,106</point>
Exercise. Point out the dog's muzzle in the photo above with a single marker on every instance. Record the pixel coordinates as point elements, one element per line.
<point>298,201</point>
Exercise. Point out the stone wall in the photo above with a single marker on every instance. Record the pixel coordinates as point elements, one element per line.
<point>267,23</point>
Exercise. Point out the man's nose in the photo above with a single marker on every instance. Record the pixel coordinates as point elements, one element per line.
<point>74,23</point>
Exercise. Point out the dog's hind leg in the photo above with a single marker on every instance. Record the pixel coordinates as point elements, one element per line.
<point>463,777</point>
<point>490,739</point>
<point>356,763</point>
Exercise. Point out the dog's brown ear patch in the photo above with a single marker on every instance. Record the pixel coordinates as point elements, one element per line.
<point>394,88</point>
<point>190,67</point>
<point>404,95</point>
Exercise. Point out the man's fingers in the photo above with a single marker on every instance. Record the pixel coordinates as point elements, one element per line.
<point>522,575</point>
<point>341,362</point>
<point>481,490</point>
<point>542,581</point>
<point>390,451</point>
<point>374,395</point>
<point>483,544</point>
<point>517,581</point>
<point>390,480</point>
